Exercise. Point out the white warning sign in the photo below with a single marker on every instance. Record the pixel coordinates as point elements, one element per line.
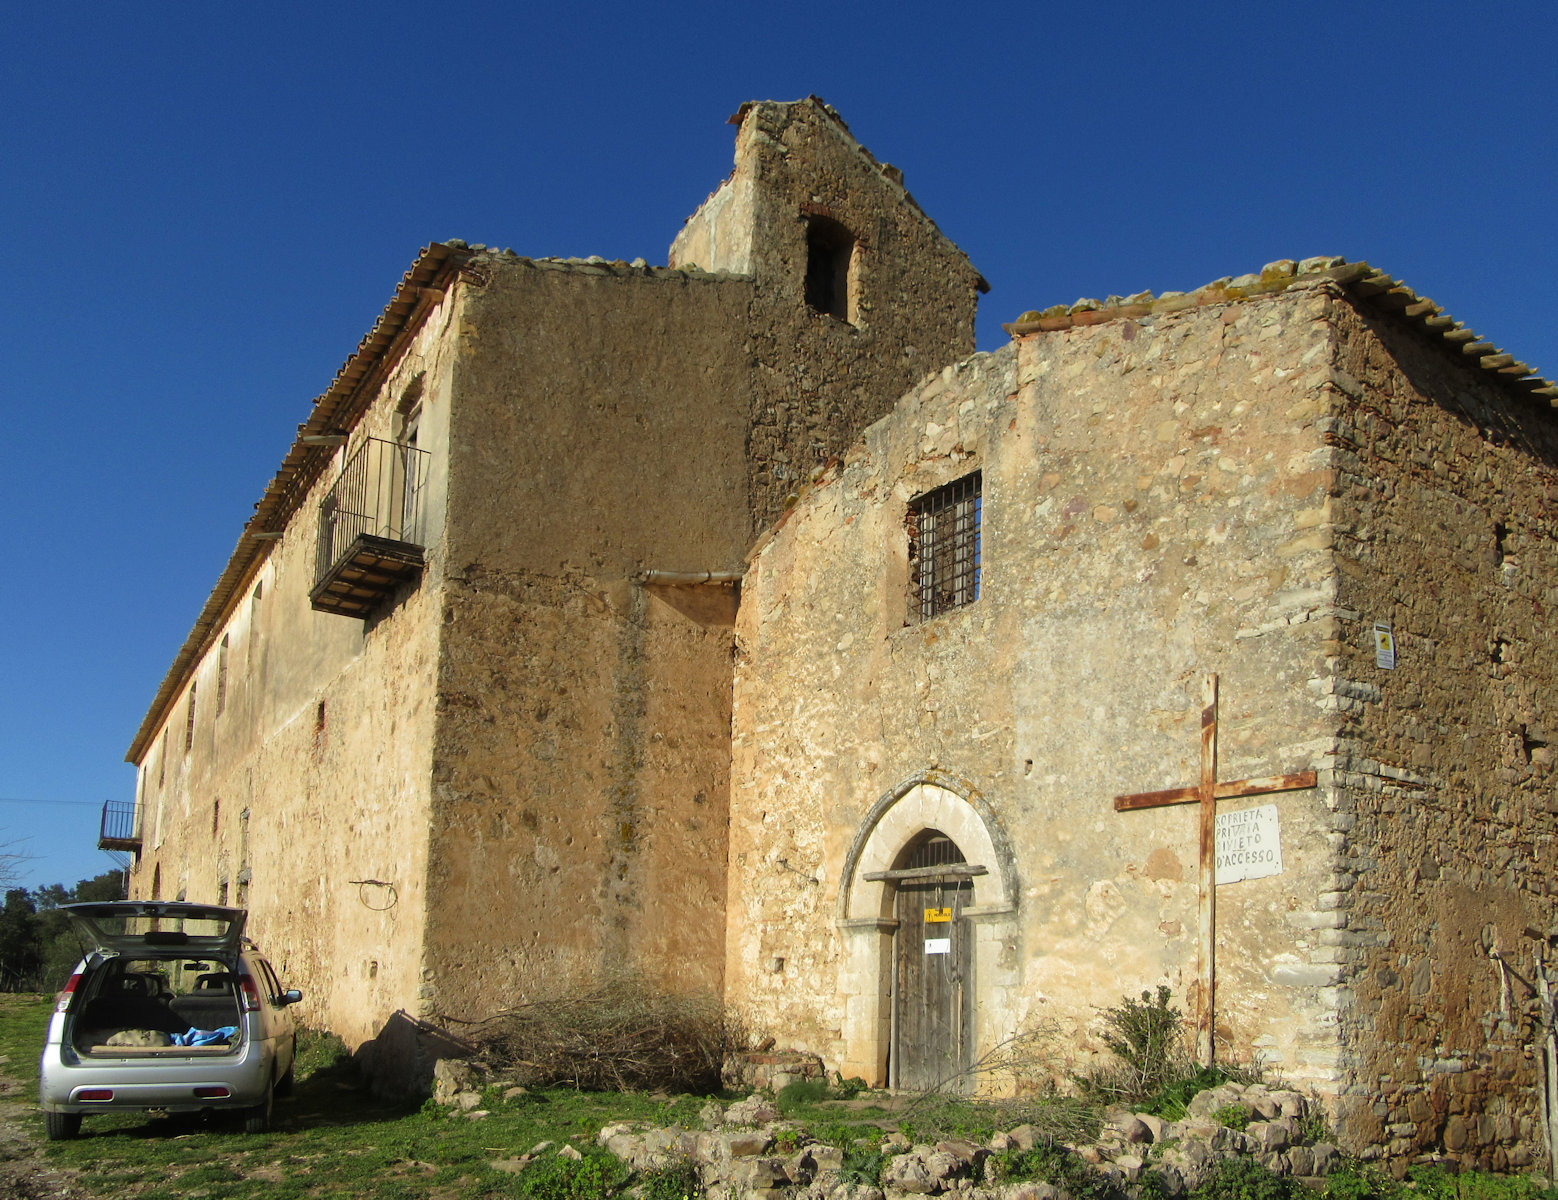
<point>938,945</point>
<point>1249,844</point>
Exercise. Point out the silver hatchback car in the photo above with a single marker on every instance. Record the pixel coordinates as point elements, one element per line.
<point>172,1009</point>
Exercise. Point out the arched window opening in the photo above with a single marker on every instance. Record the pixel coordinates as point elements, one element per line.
<point>930,849</point>
<point>830,257</point>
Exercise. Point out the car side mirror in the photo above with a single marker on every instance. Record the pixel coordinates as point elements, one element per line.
<point>291,996</point>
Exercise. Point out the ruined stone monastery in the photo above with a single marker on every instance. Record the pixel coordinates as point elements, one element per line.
<point>735,623</point>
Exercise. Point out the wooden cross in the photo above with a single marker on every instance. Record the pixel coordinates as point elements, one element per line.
<point>1206,794</point>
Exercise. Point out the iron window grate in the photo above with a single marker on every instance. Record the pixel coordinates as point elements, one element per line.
<point>944,553</point>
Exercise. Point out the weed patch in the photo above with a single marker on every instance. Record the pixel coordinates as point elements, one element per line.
<point>1049,1164</point>
<point>592,1176</point>
<point>862,1166</point>
<point>1235,1116</point>
<point>679,1181</point>
<point>1246,1179</point>
<point>1054,1118</point>
<point>792,1096</point>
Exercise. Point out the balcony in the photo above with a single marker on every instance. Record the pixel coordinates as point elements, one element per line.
<point>121,827</point>
<point>370,529</point>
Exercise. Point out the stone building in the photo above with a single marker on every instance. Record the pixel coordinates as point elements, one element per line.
<point>997,614</point>
<point>489,733</point>
<point>456,718</point>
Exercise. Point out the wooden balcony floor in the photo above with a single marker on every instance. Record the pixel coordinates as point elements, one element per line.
<point>370,570</point>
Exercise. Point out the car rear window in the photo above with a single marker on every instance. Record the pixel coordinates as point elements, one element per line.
<point>123,930</point>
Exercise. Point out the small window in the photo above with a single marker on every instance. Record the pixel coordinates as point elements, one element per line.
<point>944,560</point>
<point>221,674</point>
<point>830,254</point>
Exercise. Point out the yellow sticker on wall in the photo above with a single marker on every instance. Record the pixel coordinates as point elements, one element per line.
<point>935,915</point>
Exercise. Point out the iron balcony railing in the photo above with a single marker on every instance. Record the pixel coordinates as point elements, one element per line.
<point>121,827</point>
<point>371,530</point>
<point>379,495</point>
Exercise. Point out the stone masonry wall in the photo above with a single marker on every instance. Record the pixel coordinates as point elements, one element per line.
<point>1153,492</point>
<point>1446,529</point>
<point>818,380</point>
<point>307,765</point>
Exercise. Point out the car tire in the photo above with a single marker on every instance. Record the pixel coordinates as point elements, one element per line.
<point>61,1126</point>
<point>284,1084</point>
<point>257,1119</point>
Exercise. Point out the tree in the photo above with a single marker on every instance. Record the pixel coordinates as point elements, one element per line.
<point>11,860</point>
<point>38,942</point>
<point>21,942</point>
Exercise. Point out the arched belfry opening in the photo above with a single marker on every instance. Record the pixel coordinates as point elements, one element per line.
<point>830,262</point>
<point>927,906</point>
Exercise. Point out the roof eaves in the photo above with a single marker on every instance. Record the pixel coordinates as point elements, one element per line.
<point>335,411</point>
<point>1361,280</point>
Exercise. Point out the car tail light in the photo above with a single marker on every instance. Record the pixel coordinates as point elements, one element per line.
<point>251,994</point>
<point>63,1001</point>
<point>211,1093</point>
<point>95,1094</point>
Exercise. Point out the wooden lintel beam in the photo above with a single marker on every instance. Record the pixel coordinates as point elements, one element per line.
<point>957,870</point>
<point>1229,790</point>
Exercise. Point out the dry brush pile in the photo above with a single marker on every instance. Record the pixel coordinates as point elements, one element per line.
<point>616,1034</point>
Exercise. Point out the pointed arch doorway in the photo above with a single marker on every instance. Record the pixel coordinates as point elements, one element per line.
<point>962,861</point>
<point>933,987</point>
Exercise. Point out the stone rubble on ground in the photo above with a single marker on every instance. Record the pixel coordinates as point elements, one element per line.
<point>745,1152</point>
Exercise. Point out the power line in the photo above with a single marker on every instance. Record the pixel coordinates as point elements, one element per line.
<point>29,800</point>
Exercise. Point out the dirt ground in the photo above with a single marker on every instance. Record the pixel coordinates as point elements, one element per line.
<point>25,1174</point>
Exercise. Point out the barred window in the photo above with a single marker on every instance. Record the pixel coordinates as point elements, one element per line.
<point>944,560</point>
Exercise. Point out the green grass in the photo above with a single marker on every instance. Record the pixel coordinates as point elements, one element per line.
<point>332,1138</point>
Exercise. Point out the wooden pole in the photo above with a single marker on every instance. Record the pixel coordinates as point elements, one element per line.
<point>1207,967</point>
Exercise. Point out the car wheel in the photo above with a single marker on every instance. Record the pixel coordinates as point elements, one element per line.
<point>257,1119</point>
<point>284,1084</point>
<point>61,1126</point>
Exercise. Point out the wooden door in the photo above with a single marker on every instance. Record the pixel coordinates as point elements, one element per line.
<point>933,986</point>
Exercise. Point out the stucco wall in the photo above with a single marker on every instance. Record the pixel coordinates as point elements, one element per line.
<point>1446,531</point>
<point>315,773</point>
<point>583,745</point>
<point>1151,494</point>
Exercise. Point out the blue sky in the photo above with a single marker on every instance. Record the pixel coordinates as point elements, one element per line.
<point>205,207</point>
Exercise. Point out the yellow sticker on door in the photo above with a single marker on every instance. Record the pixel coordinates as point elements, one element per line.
<point>935,915</point>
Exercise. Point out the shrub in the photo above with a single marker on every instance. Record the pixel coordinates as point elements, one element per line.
<point>799,1092</point>
<point>594,1176</point>
<point>1235,1116</point>
<point>620,1034</point>
<point>1146,1035</point>
<point>1146,1039</point>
